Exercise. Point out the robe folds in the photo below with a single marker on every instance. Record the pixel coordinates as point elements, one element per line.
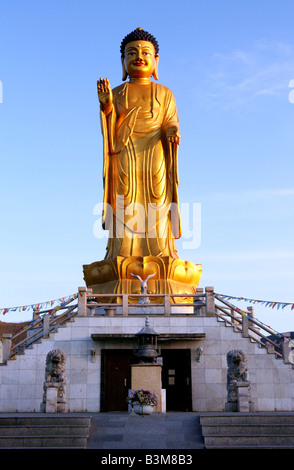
<point>140,175</point>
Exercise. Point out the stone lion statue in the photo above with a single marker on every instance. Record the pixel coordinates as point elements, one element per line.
<point>237,372</point>
<point>55,366</point>
<point>55,373</point>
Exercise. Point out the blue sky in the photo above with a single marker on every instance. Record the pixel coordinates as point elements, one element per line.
<point>229,65</point>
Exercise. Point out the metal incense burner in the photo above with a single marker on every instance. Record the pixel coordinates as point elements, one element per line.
<point>147,351</point>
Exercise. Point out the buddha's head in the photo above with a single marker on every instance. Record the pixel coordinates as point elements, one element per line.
<point>139,55</point>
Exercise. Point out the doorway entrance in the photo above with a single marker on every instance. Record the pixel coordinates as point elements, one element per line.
<point>176,379</point>
<point>116,378</point>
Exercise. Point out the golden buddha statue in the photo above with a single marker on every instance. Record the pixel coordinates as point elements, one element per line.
<point>140,129</point>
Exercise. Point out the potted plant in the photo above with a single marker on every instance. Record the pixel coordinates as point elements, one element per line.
<point>143,401</point>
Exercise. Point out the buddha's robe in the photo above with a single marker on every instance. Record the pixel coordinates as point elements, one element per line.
<point>140,175</point>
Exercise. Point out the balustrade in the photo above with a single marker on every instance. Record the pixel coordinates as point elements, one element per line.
<point>203,303</point>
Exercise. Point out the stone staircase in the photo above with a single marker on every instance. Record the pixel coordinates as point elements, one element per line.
<point>40,431</point>
<point>122,430</point>
<point>248,430</point>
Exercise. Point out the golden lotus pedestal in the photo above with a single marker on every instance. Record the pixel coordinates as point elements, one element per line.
<point>115,276</point>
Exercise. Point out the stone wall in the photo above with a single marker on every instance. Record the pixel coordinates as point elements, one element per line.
<point>272,381</point>
<point>21,380</point>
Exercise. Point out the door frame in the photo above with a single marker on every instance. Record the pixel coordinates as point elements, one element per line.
<point>185,385</point>
<point>128,353</point>
<point>126,356</point>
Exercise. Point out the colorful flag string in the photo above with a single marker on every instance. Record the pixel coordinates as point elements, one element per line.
<point>265,303</point>
<point>243,312</point>
<point>40,306</point>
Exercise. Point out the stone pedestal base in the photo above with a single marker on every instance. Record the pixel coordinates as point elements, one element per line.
<point>52,404</point>
<point>234,407</point>
<point>148,377</point>
<point>243,403</point>
<point>243,393</point>
<point>173,276</point>
<point>51,399</point>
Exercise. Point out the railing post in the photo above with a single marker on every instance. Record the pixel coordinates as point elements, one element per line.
<point>167,305</point>
<point>82,302</point>
<point>52,317</point>
<point>6,346</point>
<point>199,310</point>
<point>287,350</point>
<point>210,304</point>
<point>251,313</point>
<point>234,322</point>
<point>46,320</point>
<point>245,324</point>
<point>125,306</point>
<point>36,316</point>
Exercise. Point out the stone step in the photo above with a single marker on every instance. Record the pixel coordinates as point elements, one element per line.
<point>15,419</point>
<point>251,447</point>
<point>43,431</point>
<point>247,418</point>
<point>260,441</point>
<point>248,430</point>
<point>59,442</point>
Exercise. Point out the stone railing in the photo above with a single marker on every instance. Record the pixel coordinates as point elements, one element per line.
<point>201,303</point>
<point>43,323</point>
<point>245,323</point>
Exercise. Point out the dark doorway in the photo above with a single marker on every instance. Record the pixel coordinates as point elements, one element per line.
<point>176,379</point>
<point>115,378</point>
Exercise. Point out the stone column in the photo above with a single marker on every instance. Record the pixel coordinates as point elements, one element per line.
<point>210,304</point>
<point>167,305</point>
<point>199,311</point>
<point>288,352</point>
<point>6,347</point>
<point>125,306</point>
<point>245,324</point>
<point>46,326</point>
<point>82,302</point>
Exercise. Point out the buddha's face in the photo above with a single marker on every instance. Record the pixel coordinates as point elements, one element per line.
<point>139,60</point>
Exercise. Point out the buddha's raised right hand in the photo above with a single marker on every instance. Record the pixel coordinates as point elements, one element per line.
<point>104,95</point>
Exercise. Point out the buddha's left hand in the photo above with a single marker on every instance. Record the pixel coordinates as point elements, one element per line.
<point>173,135</point>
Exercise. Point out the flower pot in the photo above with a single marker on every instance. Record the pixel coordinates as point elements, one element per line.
<point>143,409</point>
